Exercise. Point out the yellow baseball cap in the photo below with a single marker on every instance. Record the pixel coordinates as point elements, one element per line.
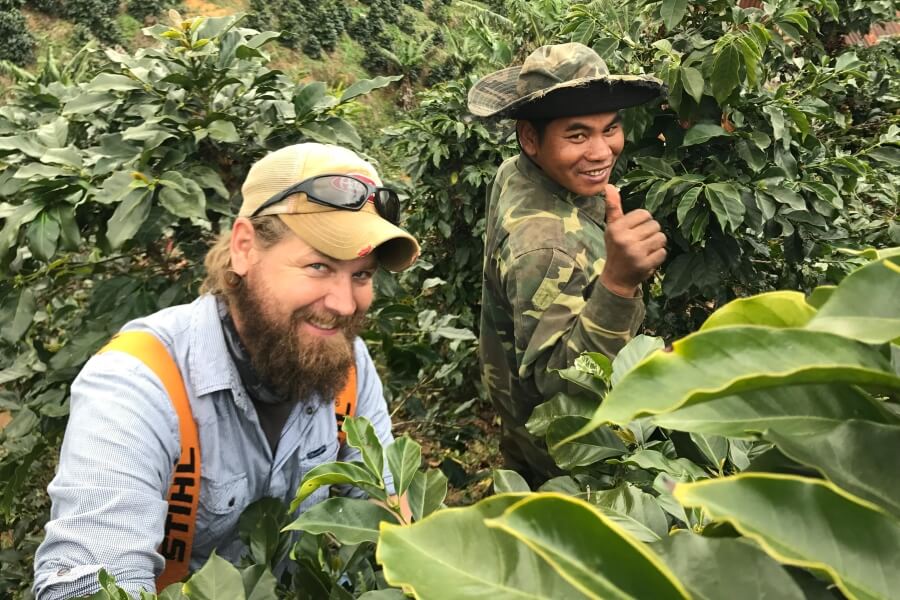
<point>339,233</point>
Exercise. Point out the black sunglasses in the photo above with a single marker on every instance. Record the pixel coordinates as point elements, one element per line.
<point>345,192</point>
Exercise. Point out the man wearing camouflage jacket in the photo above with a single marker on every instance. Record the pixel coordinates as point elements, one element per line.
<point>563,268</point>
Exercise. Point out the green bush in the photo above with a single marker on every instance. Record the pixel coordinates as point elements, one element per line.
<point>765,440</point>
<point>18,43</point>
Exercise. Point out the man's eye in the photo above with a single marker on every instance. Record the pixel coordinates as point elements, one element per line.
<point>612,128</point>
<point>363,275</point>
<point>318,267</point>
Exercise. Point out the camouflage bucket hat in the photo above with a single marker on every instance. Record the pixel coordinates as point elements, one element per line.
<point>562,80</point>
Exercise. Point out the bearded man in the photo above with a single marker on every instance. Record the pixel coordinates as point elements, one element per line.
<point>262,353</point>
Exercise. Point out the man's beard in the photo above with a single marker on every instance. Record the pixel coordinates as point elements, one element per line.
<point>294,365</point>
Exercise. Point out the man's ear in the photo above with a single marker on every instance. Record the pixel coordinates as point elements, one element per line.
<point>528,137</point>
<point>243,246</point>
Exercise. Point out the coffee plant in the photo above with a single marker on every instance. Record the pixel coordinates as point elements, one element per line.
<point>763,441</point>
<point>18,43</point>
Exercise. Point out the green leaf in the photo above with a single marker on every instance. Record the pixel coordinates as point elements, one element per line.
<point>808,523</point>
<point>89,103</point>
<point>218,579</point>
<point>721,362</point>
<point>68,157</point>
<point>561,405</point>
<point>713,447</point>
<point>788,197</point>
<point>404,456</point>
<point>69,234</point>
<point>886,154</point>
<point>586,548</point>
<point>634,510</point>
<point>687,202</point>
<point>484,563</point>
<point>864,307</point>
<point>307,97</point>
<point>672,12</point>
<point>181,197</point>
<point>634,352</point>
<point>361,435</point>
<point>509,482</point>
<point>679,468</point>
<point>113,82</point>
<point>364,86</point>
<point>857,456</point>
<point>692,80</point>
<point>259,583</point>
<point>349,520</point>
<point>820,295</point>
<point>727,205</point>
<point>223,131</point>
<point>703,132</point>
<point>426,493</point>
<point>725,73</point>
<point>22,315</point>
<point>128,217</point>
<point>771,309</point>
<point>337,474</point>
<point>599,444</point>
<point>708,566</point>
<point>114,188</point>
<point>795,409</point>
<point>43,234</point>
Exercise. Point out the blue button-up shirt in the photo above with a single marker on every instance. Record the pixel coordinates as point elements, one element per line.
<point>122,440</point>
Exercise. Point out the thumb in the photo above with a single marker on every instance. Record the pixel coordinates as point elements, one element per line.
<point>614,210</point>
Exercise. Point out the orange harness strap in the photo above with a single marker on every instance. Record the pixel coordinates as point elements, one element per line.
<point>184,492</point>
<point>345,403</point>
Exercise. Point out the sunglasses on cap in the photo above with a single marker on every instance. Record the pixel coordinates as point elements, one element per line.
<point>344,192</point>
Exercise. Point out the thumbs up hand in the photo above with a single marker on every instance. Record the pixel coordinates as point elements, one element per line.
<point>635,246</point>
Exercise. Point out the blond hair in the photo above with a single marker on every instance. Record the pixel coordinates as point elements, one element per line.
<point>269,230</point>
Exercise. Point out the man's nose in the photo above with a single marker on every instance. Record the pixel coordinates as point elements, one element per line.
<point>339,298</point>
<point>598,150</point>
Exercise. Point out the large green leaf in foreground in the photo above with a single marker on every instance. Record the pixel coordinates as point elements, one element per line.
<point>792,409</point>
<point>809,523</point>
<point>588,549</point>
<point>714,568</point>
<point>866,306</point>
<point>860,457</point>
<point>452,554</point>
<point>773,309</point>
<point>731,360</point>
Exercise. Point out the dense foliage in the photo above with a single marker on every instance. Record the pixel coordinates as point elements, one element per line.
<point>18,43</point>
<point>767,437</point>
<point>778,146</point>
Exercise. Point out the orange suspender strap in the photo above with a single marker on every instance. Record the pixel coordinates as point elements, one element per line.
<point>345,403</point>
<point>184,491</point>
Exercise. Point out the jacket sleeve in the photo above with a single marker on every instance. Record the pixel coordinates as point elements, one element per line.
<point>108,494</point>
<point>558,314</point>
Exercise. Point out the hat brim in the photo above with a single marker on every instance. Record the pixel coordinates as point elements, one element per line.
<point>348,235</point>
<point>495,96</point>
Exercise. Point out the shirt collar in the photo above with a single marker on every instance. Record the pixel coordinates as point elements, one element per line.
<point>593,206</point>
<point>210,365</point>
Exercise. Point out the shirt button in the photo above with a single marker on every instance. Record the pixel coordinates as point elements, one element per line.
<point>310,410</point>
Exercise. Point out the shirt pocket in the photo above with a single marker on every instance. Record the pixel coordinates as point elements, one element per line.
<point>221,503</point>
<point>323,453</point>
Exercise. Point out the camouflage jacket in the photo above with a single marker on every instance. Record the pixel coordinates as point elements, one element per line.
<point>542,305</point>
